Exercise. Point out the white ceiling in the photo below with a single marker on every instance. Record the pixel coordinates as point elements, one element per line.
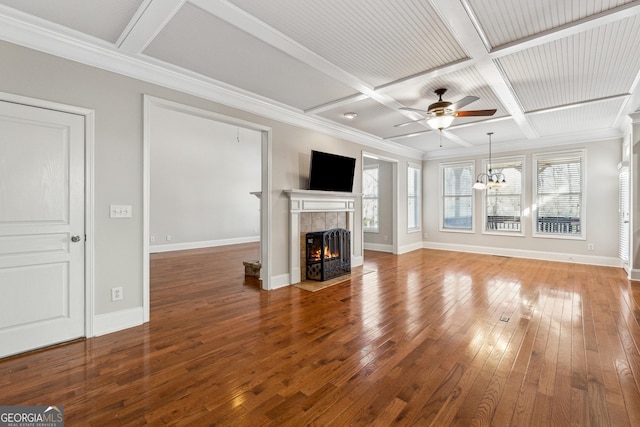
<point>557,71</point>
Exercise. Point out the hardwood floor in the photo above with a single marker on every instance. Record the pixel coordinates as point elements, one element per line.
<point>429,338</point>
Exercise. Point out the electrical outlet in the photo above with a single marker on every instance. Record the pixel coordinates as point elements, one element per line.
<point>152,239</point>
<point>116,294</point>
<point>590,247</point>
<point>168,237</point>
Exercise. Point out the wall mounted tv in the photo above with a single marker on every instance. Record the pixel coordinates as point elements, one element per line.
<point>331,172</point>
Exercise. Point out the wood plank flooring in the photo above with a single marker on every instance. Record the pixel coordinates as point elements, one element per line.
<point>431,338</point>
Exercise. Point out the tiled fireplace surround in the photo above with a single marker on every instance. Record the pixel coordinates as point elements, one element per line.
<point>311,211</point>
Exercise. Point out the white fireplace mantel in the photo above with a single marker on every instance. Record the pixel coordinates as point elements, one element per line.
<point>302,201</point>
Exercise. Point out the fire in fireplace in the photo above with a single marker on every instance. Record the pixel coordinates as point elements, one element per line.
<point>328,254</point>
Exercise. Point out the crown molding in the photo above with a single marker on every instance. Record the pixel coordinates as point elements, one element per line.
<point>34,33</point>
<point>526,144</point>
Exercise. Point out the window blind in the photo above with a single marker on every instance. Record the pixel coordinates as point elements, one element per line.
<point>413,197</point>
<point>370,198</point>
<point>504,204</point>
<point>457,184</point>
<point>559,193</point>
<point>623,209</point>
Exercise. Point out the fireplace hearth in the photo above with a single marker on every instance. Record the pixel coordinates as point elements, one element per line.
<point>328,254</point>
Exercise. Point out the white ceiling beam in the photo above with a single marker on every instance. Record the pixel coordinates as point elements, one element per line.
<point>249,24</point>
<point>426,75</point>
<point>568,30</point>
<point>464,26</point>
<point>631,104</point>
<point>336,104</point>
<point>146,23</point>
<point>623,96</point>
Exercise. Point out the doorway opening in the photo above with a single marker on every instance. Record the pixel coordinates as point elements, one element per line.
<point>222,183</point>
<point>380,203</point>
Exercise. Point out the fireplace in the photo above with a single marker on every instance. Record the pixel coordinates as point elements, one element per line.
<point>328,254</point>
<point>305,209</point>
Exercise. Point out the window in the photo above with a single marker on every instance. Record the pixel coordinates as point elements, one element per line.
<point>457,196</point>
<point>559,194</point>
<point>623,210</point>
<point>413,197</point>
<point>370,198</point>
<point>503,205</point>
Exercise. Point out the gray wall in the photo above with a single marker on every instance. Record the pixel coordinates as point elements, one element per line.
<point>118,105</point>
<point>202,173</point>
<point>602,158</point>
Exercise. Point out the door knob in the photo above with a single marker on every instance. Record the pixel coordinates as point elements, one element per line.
<point>75,238</point>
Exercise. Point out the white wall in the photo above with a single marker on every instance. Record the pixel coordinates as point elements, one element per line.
<point>202,173</point>
<point>602,158</point>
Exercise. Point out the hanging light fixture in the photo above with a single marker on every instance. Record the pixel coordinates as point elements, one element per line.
<point>491,179</point>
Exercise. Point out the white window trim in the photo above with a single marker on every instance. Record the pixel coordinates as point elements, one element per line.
<point>377,228</point>
<point>583,211</point>
<point>523,198</point>
<point>441,198</point>
<point>418,228</point>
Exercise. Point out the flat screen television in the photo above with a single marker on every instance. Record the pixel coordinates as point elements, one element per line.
<point>331,172</point>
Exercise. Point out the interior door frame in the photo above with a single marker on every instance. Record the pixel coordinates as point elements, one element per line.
<point>151,102</point>
<point>395,196</point>
<point>89,202</point>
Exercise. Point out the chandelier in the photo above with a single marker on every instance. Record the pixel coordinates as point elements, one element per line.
<point>491,179</point>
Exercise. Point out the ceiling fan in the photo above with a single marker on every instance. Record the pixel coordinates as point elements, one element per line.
<point>440,114</point>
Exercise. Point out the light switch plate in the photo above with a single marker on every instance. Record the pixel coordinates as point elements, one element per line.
<point>120,211</point>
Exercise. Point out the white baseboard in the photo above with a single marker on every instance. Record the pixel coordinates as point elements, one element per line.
<point>633,274</point>
<point>409,248</point>
<point>116,321</point>
<point>357,261</point>
<point>280,281</point>
<point>203,244</point>
<point>378,247</point>
<point>519,253</point>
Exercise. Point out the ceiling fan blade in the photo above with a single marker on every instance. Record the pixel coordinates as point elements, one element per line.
<point>414,109</point>
<point>399,125</point>
<point>463,102</point>
<point>471,113</point>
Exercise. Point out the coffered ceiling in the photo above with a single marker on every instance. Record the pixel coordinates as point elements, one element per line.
<point>556,71</point>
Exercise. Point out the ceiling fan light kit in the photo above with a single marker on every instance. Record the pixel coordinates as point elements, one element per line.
<point>440,114</point>
<point>440,122</point>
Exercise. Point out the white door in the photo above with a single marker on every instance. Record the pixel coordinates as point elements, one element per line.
<point>41,227</point>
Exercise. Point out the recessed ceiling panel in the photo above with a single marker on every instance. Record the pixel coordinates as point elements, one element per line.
<point>200,42</point>
<point>590,117</point>
<point>507,21</point>
<point>373,118</point>
<point>586,66</point>
<point>104,19</point>
<point>378,41</point>
<point>427,142</point>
